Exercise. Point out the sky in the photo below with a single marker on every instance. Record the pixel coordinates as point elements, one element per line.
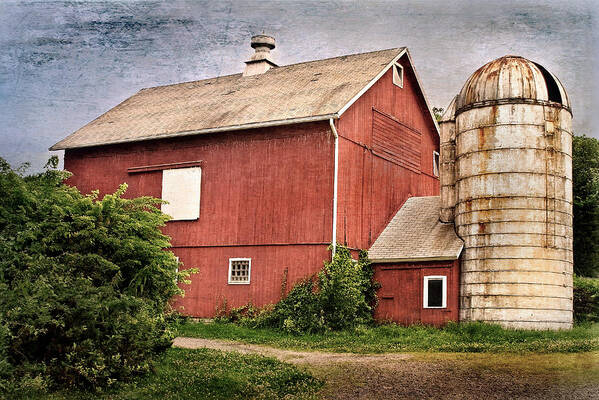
<point>62,64</point>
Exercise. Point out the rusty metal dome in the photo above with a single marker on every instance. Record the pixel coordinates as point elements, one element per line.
<point>511,79</point>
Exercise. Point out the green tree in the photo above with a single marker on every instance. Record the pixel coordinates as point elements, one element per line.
<point>438,112</point>
<point>85,281</point>
<point>585,171</point>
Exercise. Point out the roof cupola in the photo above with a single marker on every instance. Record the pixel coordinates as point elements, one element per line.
<point>260,61</point>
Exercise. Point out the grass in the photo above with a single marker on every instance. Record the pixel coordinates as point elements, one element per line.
<point>465,337</point>
<point>207,374</point>
<point>212,374</point>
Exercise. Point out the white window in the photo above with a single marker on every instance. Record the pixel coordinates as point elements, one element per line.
<point>398,75</point>
<point>239,271</point>
<point>435,292</point>
<point>435,163</point>
<point>181,188</point>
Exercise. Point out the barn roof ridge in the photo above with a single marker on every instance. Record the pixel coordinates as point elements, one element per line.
<point>239,74</point>
<point>307,91</point>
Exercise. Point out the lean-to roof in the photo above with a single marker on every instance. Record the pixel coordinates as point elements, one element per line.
<point>416,234</point>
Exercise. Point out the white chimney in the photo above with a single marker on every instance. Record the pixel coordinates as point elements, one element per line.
<point>260,61</point>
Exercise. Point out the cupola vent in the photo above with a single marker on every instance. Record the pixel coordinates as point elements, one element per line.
<point>260,61</point>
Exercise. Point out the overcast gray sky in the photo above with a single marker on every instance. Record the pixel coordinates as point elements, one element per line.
<point>64,63</point>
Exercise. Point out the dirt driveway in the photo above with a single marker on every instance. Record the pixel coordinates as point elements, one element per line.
<point>436,375</point>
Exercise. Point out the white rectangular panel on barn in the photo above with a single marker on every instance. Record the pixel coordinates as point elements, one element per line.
<point>181,188</point>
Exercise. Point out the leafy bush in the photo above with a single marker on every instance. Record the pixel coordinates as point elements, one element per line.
<point>346,290</point>
<point>85,282</point>
<point>300,311</point>
<point>6,368</point>
<point>341,295</point>
<point>586,299</point>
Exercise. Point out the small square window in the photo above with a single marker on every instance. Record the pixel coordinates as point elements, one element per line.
<point>239,270</point>
<point>398,75</point>
<point>435,163</point>
<point>435,292</point>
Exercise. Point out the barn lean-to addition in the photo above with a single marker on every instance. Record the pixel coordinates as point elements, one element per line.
<point>263,170</point>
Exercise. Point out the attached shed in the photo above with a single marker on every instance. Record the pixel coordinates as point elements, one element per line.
<point>416,260</point>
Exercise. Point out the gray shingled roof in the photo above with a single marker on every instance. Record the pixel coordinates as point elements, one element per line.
<point>416,234</point>
<point>293,93</point>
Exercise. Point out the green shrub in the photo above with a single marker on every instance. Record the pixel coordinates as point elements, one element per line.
<point>345,290</point>
<point>300,311</point>
<point>85,282</point>
<point>341,295</point>
<point>586,299</point>
<point>6,369</point>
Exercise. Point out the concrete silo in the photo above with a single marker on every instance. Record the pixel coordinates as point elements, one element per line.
<point>506,183</point>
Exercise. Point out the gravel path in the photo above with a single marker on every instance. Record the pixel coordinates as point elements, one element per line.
<point>413,376</point>
<point>290,356</point>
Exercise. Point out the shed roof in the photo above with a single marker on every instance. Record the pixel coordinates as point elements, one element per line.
<point>416,234</point>
<point>307,91</point>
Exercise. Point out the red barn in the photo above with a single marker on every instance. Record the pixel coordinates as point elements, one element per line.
<point>264,169</point>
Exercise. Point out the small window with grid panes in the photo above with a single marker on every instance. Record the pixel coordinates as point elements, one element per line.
<point>239,270</point>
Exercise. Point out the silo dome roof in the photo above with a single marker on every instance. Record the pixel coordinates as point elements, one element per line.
<point>511,79</point>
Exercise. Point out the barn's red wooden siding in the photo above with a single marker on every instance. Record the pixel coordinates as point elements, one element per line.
<point>373,181</point>
<point>271,266</point>
<point>267,194</point>
<point>401,292</point>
